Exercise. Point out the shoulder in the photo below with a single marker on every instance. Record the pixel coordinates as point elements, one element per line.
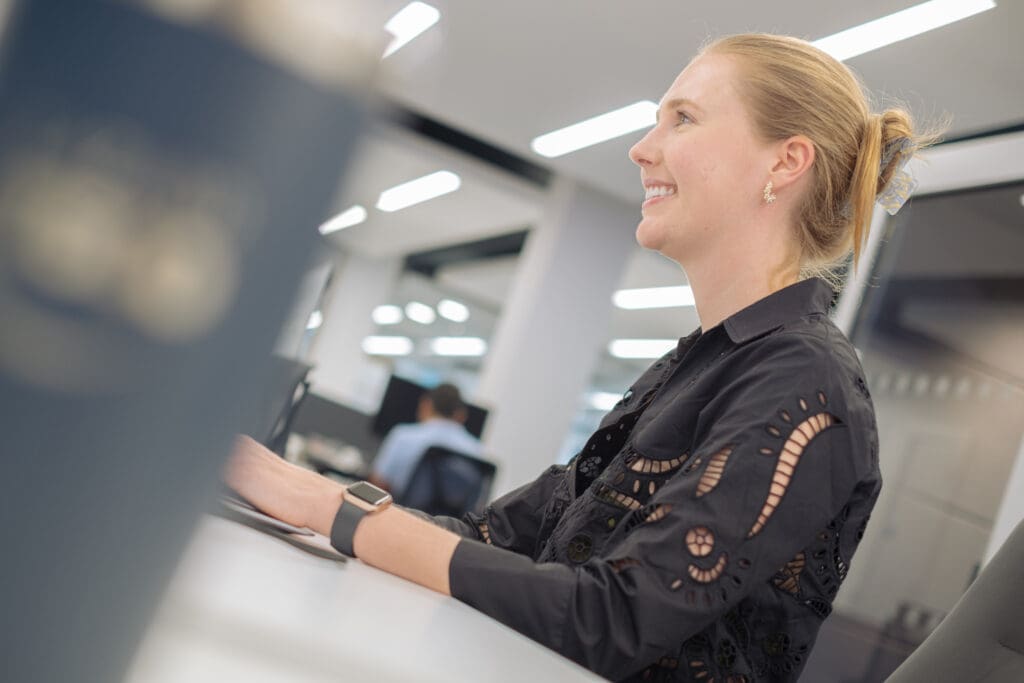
<point>811,361</point>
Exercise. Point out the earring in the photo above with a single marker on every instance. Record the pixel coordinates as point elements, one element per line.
<point>769,196</point>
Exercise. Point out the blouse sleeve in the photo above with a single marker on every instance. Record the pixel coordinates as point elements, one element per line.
<point>777,460</point>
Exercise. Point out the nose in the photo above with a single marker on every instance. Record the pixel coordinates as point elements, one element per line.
<point>642,153</point>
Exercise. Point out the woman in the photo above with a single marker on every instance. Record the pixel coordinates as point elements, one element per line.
<point>705,527</point>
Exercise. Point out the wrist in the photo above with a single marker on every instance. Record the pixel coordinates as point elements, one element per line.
<point>323,507</point>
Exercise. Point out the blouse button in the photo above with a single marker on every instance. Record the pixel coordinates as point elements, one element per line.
<point>580,548</point>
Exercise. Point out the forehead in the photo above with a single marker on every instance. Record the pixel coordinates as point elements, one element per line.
<point>707,81</point>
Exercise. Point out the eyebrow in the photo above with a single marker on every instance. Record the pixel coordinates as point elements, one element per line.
<point>673,103</point>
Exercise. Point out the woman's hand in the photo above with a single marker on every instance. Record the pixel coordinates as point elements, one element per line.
<point>280,489</point>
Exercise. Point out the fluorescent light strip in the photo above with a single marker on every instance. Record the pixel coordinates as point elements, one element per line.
<point>387,315</point>
<point>653,297</point>
<point>418,190</point>
<point>420,313</point>
<point>458,346</point>
<point>354,215</point>
<point>899,26</point>
<point>387,346</point>
<point>597,129</point>
<point>641,348</point>
<point>602,400</point>
<point>316,319</point>
<point>409,22</point>
<point>453,310</point>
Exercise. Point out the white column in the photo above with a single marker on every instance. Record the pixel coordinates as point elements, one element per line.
<point>342,372</point>
<point>1011,509</point>
<point>552,328</point>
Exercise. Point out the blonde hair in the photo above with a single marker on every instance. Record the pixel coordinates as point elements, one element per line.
<point>792,88</point>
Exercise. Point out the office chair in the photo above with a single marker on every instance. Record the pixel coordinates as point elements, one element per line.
<point>982,638</point>
<point>446,482</point>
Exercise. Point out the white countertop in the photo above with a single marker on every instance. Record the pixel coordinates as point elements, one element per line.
<point>244,606</point>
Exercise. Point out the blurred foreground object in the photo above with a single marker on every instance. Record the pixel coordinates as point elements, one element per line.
<point>160,188</point>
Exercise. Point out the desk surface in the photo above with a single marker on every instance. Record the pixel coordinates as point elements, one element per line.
<point>244,606</point>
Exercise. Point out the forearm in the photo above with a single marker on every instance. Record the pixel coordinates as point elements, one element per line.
<point>404,545</point>
<point>397,542</point>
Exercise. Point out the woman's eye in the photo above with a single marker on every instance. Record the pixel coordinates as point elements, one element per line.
<point>683,117</point>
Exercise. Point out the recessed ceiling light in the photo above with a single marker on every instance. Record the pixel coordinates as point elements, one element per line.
<point>458,346</point>
<point>899,26</point>
<point>387,346</point>
<point>641,348</point>
<point>597,129</point>
<point>453,310</point>
<point>354,215</point>
<point>387,315</point>
<point>418,190</point>
<point>420,313</point>
<point>409,22</point>
<point>654,297</point>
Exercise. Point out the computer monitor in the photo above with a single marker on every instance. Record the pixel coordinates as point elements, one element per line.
<point>400,403</point>
<point>273,408</point>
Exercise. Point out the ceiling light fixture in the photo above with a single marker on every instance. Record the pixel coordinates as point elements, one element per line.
<point>602,400</point>
<point>409,22</point>
<point>653,297</point>
<point>597,129</point>
<point>899,26</point>
<point>641,348</point>
<point>387,315</point>
<point>387,346</point>
<point>354,215</point>
<point>453,310</point>
<point>458,346</point>
<point>418,190</point>
<point>420,313</point>
<point>316,319</point>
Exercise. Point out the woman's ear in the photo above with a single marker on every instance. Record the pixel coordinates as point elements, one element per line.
<point>794,158</point>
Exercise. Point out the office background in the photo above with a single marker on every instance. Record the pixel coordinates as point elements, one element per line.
<point>942,314</point>
<point>535,248</point>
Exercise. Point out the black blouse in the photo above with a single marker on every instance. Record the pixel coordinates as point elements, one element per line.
<point>705,527</point>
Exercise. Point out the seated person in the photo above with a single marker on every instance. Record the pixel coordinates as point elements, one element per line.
<point>704,529</point>
<point>441,416</point>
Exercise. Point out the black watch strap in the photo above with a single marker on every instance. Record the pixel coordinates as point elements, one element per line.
<point>343,531</point>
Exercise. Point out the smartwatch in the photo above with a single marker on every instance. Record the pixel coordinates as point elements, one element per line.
<point>360,499</point>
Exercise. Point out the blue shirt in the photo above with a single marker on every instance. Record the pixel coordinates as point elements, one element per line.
<point>405,444</point>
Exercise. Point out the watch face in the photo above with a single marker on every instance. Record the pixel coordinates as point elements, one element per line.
<point>368,493</point>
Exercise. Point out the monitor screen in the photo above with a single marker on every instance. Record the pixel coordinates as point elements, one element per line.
<point>401,400</point>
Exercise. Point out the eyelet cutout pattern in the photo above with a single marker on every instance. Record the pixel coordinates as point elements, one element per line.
<point>789,457</point>
<point>670,663</point>
<point>713,472</point>
<point>658,513</point>
<point>700,541</point>
<point>618,566</point>
<point>610,495</point>
<point>650,466</point>
<point>788,578</point>
<point>708,575</point>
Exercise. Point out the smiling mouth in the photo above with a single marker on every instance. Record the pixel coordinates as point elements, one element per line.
<point>657,193</point>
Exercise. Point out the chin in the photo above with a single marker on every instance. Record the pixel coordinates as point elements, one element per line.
<point>649,236</point>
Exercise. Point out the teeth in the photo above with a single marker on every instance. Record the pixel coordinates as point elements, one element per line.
<point>659,191</point>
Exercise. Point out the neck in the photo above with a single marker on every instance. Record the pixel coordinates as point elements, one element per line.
<point>724,286</point>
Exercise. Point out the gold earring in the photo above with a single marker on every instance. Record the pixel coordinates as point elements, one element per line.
<point>769,196</point>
